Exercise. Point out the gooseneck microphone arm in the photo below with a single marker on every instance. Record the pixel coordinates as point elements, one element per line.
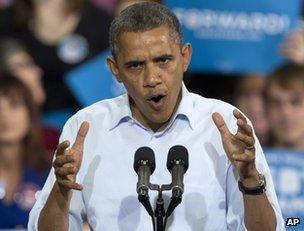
<point>177,164</point>
<point>144,166</point>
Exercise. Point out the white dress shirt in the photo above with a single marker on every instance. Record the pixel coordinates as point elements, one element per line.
<point>211,200</point>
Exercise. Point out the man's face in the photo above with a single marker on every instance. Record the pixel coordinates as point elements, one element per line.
<point>286,113</point>
<point>151,64</point>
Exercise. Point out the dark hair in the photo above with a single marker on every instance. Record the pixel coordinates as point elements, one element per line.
<point>140,17</point>
<point>286,76</point>
<point>9,46</point>
<point>23,10</point>
<point>33,154</point>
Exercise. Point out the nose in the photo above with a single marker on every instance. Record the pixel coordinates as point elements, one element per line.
<point>152,76</point>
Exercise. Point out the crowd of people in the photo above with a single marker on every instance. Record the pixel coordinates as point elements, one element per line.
<point>42,41</point>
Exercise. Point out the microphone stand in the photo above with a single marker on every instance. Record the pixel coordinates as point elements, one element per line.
<point>160,212</point>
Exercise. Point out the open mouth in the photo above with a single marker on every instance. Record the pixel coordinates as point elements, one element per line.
<point>157,101</point>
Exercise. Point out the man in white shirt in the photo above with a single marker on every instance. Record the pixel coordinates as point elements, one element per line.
<point>149,58</point>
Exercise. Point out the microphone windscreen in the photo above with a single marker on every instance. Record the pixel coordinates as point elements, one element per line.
<point>178,152</point>
<point>144,154</point>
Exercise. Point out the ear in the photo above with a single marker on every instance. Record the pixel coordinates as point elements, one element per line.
<point>113,67</point>
<point>186,53</point>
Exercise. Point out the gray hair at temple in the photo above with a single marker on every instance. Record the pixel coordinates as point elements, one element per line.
<point>141,17</point>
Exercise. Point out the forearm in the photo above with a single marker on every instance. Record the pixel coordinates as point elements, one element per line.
<point>259,214</point>
<point>55,213</point>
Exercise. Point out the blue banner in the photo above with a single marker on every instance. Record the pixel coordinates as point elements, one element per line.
<point>287,170</point>
<point>93,81</point>
<point>235,36</point>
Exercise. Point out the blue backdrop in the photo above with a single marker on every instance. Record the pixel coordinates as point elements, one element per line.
<point>287,169</point>
<point>235,36</point>
<point>93,81</point>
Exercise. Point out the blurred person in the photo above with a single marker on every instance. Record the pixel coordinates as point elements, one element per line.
<point>150,58</point>
<point>248,97</point>
<point>16,61</point>
<point>23,167</point>
<point>60,35</point>
<point>284,94</point>
<point>5,3</point>
<point>109,5</point>
<point>122,4</point>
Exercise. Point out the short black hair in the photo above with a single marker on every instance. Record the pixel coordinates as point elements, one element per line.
<point>140,17</point>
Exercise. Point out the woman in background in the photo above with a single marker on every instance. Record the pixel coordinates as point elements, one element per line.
<point>61,35</point>
<point>23,166</point>
<point>15,60</point>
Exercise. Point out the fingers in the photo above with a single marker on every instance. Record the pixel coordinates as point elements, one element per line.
<point>62,147</point>
<point>245,131</point>
<point>244,127</point>
<point>293,46</point>
<point>247,140</point>
<point>82,132</point>
<point>238,115</point>
<point>67,162</point>
<point>65,171</point>
<point>244,157</point>
<point>69,184</point>
<point>63,159</point>
<point>220,124</point>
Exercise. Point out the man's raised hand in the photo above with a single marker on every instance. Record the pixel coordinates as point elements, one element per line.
<point>239,147</point>
<point>67,161</point>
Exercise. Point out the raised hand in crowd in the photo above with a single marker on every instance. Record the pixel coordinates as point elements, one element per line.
<point>293,46</point>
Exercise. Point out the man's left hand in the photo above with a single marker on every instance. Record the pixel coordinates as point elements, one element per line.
<point>239,147</point>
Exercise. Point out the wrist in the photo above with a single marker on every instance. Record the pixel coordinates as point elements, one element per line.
<point>63,192</point>
<point>251,180</point>
<point>253,186</point>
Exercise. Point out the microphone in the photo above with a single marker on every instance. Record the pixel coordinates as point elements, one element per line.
<point>177,164</point>
<point>144,166</point>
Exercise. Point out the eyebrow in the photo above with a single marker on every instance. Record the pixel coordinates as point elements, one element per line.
<point>164,56</point>
<point>130,63</point>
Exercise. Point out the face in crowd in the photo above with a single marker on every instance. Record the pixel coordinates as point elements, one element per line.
<point>249,99</point>
<point>286,113</point>
<point>22,66</point>
<point>151,65</point>
<point>14,118</point>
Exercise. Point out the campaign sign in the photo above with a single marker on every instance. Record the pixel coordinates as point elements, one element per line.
<point>287,170</point>
<point>235,36</point>
<point>93,81</point>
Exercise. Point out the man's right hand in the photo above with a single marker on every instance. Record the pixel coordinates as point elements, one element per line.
<point>67,161</point>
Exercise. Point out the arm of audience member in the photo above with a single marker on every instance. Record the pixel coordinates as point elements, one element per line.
<point>240,149</point>
<point>55,213</point>
<point>293,47</point>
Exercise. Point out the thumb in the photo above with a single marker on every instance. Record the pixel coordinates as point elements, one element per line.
<point>220,124</point>
<point>82,132</point>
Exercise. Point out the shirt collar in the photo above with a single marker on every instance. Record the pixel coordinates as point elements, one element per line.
<point>186,107</point>
<point>124,114</point>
